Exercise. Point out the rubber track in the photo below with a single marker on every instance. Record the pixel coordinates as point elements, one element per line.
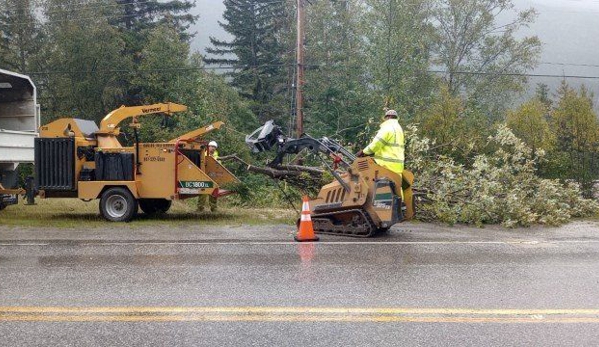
<point>368,232</point>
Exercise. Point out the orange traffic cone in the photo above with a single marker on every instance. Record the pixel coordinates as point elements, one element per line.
<point>305,231</point>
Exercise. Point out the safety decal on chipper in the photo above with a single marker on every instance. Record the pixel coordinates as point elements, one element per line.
<point>194,187</point>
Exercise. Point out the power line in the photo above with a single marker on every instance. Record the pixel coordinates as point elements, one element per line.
<point>56,72</point>
<point>514,74</point>
<point>569,64</point>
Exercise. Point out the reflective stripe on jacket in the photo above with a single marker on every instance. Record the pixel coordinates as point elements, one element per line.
<point>387,147</point>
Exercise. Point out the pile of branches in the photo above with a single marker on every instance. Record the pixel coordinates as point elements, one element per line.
<point>501,187</point>
<point>305,178</point>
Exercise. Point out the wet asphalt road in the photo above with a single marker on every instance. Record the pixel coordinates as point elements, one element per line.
<point>420,285</point>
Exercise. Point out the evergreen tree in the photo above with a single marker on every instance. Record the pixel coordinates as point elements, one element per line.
<point>399,37</point>
<point>338,100</point>
<point>167,74</point>
<point>139,16</point>
<point>136,20</point>
<point>256,51</point>
<point>19,34</point>
<point>542,93</point>
<point>84,59</point>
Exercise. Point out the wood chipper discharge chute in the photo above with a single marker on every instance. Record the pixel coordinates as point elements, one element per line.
<point>74,158</point>
<point>363,199</point>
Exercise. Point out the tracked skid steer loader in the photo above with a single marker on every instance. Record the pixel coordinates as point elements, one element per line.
<point>365,198</point>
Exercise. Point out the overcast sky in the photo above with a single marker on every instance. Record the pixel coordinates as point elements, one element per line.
<point>569,30</point>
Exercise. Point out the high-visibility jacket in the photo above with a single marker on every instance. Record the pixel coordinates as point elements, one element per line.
<point>213,155</point>
<point>387,147</point>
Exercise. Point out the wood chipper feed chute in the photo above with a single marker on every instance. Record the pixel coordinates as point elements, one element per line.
<point>207,178</point>
<point>364,197</point>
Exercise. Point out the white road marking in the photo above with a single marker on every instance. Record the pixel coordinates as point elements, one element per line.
<point>288,243</point>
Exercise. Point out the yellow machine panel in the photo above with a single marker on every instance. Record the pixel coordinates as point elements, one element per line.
<point>156,171</point>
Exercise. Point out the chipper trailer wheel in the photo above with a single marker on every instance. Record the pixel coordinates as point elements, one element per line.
<point>118,205</point>
<point>154,206</point>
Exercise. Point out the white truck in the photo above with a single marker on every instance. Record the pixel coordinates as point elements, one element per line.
<point>19,123</point>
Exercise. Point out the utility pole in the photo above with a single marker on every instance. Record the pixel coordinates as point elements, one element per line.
<point>299,84</point>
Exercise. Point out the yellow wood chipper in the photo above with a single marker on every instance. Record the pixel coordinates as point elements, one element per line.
<point>76,159</point>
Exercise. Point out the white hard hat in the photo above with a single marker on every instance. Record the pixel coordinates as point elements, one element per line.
<point>213,144</point>
<point>391,113</point>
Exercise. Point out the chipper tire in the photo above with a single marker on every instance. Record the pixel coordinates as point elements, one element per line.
<point>154,206</point>
<point>118,205</point>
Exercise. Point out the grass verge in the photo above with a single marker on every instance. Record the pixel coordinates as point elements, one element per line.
<point>73,213</point>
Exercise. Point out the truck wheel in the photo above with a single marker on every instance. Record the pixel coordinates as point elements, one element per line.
<point>154,206</point>
<point>163,205</point>
<point>118,205</point>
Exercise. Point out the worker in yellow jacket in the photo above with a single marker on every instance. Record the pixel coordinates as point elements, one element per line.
<point>209,200</point>
<point>388,145</point>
